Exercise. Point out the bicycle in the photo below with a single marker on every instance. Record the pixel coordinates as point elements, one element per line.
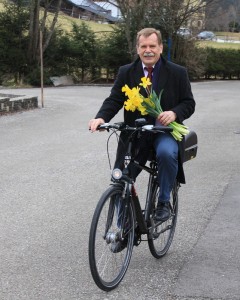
<point>119,221</point>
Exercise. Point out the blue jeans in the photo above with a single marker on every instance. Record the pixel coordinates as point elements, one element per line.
<point>166,148</point>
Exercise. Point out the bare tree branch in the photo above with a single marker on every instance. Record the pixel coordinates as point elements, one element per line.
<point>36,25</point>
<point>52,27</point>
<point>134,14</point>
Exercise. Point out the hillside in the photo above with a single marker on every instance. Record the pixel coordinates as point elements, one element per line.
<point>65,23</point>
<point>220,13</point>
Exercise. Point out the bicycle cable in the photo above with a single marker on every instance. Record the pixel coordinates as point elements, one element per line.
<point>117,136</point>
<point>114,131</point>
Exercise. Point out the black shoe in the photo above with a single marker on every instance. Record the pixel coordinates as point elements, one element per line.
<point>119,246</point>
<point>162,212</point>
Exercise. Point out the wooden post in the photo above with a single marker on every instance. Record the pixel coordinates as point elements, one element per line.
<point>41,59</point>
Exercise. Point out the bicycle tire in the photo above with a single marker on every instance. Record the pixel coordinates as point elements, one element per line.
<point>160,240</point>
<point>108,268</point>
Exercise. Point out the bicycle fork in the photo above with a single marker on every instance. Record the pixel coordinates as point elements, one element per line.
<point>122,204</point>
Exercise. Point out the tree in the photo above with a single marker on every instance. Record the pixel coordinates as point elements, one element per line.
<point>37,24</point>
<point>234,26</point>
<point>166,15</point>
<point>134,14</point>
<point>221,13</point>
<point>83,50</point>
<point>14,22</point>
<point>113,52</point>
<point>190,56</point>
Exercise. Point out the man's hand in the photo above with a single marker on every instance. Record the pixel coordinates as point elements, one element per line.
<point>166,117</point>
<point>94,123</point>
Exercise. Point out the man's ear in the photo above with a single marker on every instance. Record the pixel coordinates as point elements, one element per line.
<point>137,49</point>
<point>162,48</point>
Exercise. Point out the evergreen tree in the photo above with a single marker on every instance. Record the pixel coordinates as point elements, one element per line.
<point>14,22</point>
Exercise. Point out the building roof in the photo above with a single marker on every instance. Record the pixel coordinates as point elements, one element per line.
<point>92,7</point>
<point>113,7</point>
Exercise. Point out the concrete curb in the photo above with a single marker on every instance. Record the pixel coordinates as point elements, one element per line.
<point>11,103</point>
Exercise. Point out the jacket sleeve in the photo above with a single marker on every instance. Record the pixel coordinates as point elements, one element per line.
<point>186,103</point>
<point>115,101</point>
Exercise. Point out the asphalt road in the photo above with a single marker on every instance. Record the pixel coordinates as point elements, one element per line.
<point>52,172</point>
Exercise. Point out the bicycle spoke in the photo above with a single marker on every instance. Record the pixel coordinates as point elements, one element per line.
<point>162,235</point>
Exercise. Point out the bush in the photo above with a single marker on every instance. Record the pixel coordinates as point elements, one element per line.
<point>34,77</point>
<point>187,54</point>
<point>222,64</point>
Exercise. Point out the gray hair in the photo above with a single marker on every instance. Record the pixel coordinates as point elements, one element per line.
<point>146,32</point>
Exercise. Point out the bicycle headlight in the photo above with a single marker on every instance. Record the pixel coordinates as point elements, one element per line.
<point>117,174</point>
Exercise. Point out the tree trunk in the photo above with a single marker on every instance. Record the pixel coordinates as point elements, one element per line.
<point>33,31</point>
<point>34,28</point>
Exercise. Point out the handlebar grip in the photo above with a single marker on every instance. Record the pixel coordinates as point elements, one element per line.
<point>118,126</point>
<point>104,126</point>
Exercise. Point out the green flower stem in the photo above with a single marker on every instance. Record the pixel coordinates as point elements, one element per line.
<point>179,130</point>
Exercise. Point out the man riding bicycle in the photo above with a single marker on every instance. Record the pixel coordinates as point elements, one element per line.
<point>177,103</point>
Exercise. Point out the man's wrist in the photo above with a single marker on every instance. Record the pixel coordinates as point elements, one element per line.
<point>175,115</point>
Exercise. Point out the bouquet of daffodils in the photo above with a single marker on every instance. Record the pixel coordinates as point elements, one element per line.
<point>150,105</point>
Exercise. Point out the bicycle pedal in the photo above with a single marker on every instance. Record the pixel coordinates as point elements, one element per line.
<point>137,240</point>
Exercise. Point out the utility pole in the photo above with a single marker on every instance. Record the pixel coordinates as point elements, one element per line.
<point>41,60</point>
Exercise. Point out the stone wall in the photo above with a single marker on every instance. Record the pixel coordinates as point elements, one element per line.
<point>12,103</point>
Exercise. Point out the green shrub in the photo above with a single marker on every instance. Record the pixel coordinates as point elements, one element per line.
<point>222,63</point>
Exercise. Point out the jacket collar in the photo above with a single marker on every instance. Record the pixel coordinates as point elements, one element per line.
<point>160,72</point>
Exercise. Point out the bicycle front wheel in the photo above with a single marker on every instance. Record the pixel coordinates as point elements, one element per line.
<point>161,236</point>
<point>111,238</point>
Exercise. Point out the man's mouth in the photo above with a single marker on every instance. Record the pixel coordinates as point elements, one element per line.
<point>148,54</point>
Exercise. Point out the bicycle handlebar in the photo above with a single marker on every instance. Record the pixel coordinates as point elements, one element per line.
<point>122,127</point>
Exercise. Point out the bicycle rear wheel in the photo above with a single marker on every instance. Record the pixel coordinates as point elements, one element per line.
<point>160,238</point>
<point>111,224</point>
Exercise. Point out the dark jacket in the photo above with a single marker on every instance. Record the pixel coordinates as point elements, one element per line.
<point>177,96</point>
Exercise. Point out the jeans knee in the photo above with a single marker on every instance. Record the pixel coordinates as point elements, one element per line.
<point>165,155</point>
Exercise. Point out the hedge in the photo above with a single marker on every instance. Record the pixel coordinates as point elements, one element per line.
<point>222,64</point>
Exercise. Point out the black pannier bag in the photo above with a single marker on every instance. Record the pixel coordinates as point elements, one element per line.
<point>191,145</point>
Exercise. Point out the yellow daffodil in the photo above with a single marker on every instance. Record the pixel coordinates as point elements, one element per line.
<point>143,110</point>
<point>150,105</point>
<point>145,82</point>
<point>128,105</point>
<point>127,90</point>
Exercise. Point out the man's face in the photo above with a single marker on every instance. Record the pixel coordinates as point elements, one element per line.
<point>149,49</point>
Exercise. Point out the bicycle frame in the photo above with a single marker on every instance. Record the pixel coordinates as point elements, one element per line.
<point>142,216</point>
